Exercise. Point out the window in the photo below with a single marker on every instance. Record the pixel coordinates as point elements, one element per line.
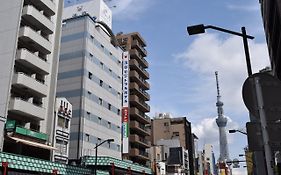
<point>89,92</point>
<point>166,124</point>
<point>91,55</point>
<point>102,46</point>
<point>92,37</point>
<point>60,121</point>
<point>118,147</point>
<point>87,137</point>
<point>100,101</point>
<point>88,114</point>
<point>101,65</point>
<point>118,111</point>
<point>119,94</point>
<point>90,75</point>
<point>101,83</point>
<point>166,156</point>
<point>109,88</point>
<point>61,146</point>
<point>110,71</point>
<point>99,120</point>
<point>109,125</point>
<point>99,140</point>
<point>66,123</point>
<point>109,106</point>
<point>176,134</point>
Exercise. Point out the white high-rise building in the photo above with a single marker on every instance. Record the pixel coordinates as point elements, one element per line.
<point>29,46</point>
<point>90,77</point>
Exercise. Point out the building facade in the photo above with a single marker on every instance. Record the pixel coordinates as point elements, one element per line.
<point>271,13</point>
<point>63,115</point>
<point>138,97</point>
<point>165,127</point>
<point>30,38</point>
<point>209,160</point>
<point>90,71</point>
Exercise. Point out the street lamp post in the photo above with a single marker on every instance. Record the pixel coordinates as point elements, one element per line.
<point>197,29</point>
<point>236,130</point>
<point>96,147</point>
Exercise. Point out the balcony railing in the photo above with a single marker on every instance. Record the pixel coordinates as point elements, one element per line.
<point>33,61</point>
<point>25,107</point>
<point>47,5</point>
<point>37,87</point>
<point>134,75</point>
<point>33,38</point>
<point>135,54</point>
<point>40,21</point>
<point>140,48</point>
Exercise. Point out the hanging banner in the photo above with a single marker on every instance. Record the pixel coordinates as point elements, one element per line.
<point>125,102</point>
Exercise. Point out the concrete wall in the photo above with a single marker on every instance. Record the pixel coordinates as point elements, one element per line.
<point>10,12</point>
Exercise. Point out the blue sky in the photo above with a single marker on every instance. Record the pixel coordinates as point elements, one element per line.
<point>182,67</point>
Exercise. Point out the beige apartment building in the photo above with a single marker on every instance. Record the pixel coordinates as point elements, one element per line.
<point>166,128</point>
<point>138,86</point>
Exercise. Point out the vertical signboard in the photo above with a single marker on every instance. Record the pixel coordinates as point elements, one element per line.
<point>125,102</point>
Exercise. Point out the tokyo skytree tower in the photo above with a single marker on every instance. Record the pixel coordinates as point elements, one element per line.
<point>221,122</point>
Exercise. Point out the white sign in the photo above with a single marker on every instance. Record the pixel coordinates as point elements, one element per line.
<point>125,79</point>
<point>125,100</point>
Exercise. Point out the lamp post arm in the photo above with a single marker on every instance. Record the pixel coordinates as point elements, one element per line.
<point>228,31</point>
<point>242,132</point>
<point>100,144</point>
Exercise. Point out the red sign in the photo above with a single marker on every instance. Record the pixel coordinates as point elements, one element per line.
<point>125,114</point>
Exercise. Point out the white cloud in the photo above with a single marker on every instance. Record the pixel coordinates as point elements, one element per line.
<point>209,53</point>
<point>249,8</point>
<point>128,9</point>
<point>208,132</point>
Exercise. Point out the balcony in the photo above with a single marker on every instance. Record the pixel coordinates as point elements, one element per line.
<point>135,101</point>
<point>47,6</point>
<point>32,61</point>
<point>37,19</point>
<point>135,89</point>
<point>136,44</point>
<point>134,65</point>
<point>32,85</point>
<point>134,152</point>
<point>136,114</point>
<point>135,55</point>
<point>35,40</point>
<point>140,141</point>
<point>24,108</point>
<point>139,128</point>
<point>135,77</point>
